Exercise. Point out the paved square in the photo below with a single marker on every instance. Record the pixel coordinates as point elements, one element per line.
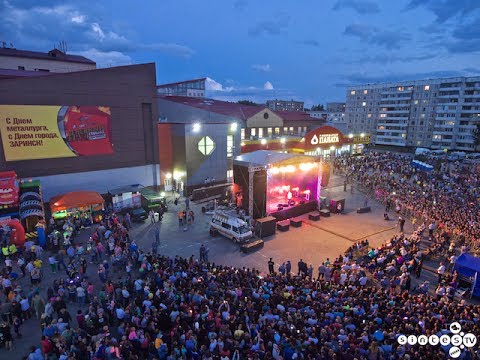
<point>313,242</point>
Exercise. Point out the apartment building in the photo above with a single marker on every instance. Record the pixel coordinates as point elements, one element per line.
<point>189,88</point>
<point>336,107</point>
<point>285,105</point>
<point>433,113</point>
<point>56,61</point>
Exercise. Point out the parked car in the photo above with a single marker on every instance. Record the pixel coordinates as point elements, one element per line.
<point>139,215</point>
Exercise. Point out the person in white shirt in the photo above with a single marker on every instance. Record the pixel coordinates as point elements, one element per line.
<point>80,296</point>
<point>441,271</point>
<point>453,260</point>
<point>8,264</point>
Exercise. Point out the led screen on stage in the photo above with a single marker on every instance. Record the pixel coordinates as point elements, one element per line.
<point>43,132</point>
<point>291,185</point>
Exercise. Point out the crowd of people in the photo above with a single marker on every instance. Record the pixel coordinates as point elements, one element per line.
<point>447,196</point>
<point>139,304</point>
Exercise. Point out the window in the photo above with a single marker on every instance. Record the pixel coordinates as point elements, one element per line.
<point>206,145</point>
<point>364,103</point>
<point>277,131</point>
<point>285,130</point>
<point>426,87</point>
<point>230,146</point>
<point>365,92</point>
<point>299,130</point>
<point>21,68</point>
<point>383,115</point>
<point>416,102</point>
<point>352,92</point>
<point>400,88</point>
<point>260,132</point>
<point>291,130</point>
<point>253,132</point>
<point>229,174</point>
<point>369,115</point>
<point>242,134</point>
<point>269,131</point>
<point>226,226</point>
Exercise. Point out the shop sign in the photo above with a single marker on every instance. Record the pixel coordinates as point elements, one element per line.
<point>324,139</point>
<point>357,139</point>
<point>32,132</point>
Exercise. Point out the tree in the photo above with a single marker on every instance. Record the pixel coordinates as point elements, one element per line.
<point>318,107</point>
<point>476,135</point>
<point>247,102</point>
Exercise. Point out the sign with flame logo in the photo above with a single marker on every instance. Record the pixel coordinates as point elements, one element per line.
<point>324,136</point>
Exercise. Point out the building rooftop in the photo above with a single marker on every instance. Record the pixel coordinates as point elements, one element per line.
<point>180,82</point>
<point>295,115</point>
<point>236,110</point>
<point>54,54</point>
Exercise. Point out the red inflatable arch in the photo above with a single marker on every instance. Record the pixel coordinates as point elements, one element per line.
<point>17,237</point>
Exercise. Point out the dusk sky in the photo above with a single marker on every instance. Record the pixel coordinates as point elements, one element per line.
<point>304,49</point>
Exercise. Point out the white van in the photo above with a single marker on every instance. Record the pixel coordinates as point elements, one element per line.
<point>230,226</point>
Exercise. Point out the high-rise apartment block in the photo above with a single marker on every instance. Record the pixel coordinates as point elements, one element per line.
<point>435,113</point>
<point>285,105</point>
<point>336,107</point>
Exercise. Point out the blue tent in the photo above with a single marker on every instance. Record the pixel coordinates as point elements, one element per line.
<point>421,165</point>
<point>469,266</point>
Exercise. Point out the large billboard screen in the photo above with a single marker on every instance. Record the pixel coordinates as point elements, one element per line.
<point>41,132</point>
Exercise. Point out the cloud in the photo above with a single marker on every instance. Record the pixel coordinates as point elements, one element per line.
<point>240,4</point>
<point>468,31</point>
<point>360,6</point>
<point>270,27</point>
<point>212,85</point>
<point>445,9</point>
<point>258,94</point>
<point>368,78</point>
<point>268,86</point>
<point>389,58</point>
<point>471,70</point>
<point>310,42</point>
<point>462,46</point>
<point>78,19</point>
<point>170,49</point>
<point>97,30</point>
<point>389,39</point>
<point>38,27</point>
<point>106,58</point>
<point>262,67</point>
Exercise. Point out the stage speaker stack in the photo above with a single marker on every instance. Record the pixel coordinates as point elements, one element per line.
<point>265,227</point>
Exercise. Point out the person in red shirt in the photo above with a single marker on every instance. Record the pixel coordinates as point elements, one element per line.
<point>47,346</point>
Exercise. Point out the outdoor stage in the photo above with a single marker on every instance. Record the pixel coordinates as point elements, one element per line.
<point>283,185</point>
